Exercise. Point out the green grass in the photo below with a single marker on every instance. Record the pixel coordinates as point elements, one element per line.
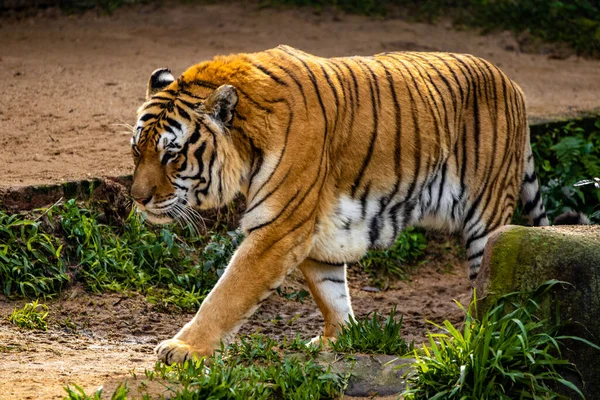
<point>399,259</point>
<point>370,336</point>
<point>253,368</point>
<point>41,254</point>
<point>32,316</point>
<point>31,262</point>
<point>507,354</point>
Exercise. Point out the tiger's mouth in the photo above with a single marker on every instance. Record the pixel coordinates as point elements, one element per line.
<point>156,218</point>
<point>180,211</point>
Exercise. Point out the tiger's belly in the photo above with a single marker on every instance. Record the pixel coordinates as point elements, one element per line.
<point>357,225</point>
<point>351,230</point>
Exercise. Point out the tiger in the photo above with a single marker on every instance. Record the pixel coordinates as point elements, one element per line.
<point>333,156</point>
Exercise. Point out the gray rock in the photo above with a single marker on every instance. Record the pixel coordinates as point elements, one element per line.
<point>371,374</point>
<point>519,258</point>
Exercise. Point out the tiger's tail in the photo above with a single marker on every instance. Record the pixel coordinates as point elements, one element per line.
<point>531,197</point>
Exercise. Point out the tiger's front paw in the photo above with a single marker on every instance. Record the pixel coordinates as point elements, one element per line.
<point>177,351</point>
<point>324,341</point>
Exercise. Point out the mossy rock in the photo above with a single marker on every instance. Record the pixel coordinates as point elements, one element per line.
<point>521,259</point>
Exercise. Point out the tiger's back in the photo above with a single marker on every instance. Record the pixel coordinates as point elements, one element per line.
<point>434,139</point>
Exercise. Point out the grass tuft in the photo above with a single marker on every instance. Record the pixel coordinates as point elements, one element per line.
<point>32,316</point>
<point>372,337</point>
<point>31,262</point>
<point>507,354</point>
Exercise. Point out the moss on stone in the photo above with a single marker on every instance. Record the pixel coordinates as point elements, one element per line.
<point>520,259</point>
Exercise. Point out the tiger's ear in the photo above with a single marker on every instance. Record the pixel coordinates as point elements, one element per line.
<point>221,103</point>
<point>160,79</point>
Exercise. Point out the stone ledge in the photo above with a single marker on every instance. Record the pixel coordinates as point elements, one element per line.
<point>26,198</point>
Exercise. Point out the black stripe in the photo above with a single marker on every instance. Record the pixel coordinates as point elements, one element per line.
<point>334,280</point>
<point>441,190</point>
<point>538,219</point>
<point>265,197</point>
<point>296,81</point>
<point>270,74</point>
<point>530,178</point>
<point>363,200</point>
<point>374,133</point>
<point>172,122</point>
<point>417,143</point>
<point>472,239</point>
<point>346,92</point>
<point>530,205</point>
<point>472,210</point>
<point>474,256</point>
<point>182,112</point>
<point>147,116</point>
<point>279,214</point>
<point>333,264</point>
<point>281,155</point>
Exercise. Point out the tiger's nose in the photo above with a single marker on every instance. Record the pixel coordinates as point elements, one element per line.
<point>141,194</point>
<point>143,200</point>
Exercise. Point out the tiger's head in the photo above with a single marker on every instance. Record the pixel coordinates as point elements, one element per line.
<point>183,150</point>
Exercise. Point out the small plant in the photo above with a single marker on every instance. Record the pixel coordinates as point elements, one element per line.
<point>291,294</point>
<point>77,393</point>
<point>373,337</point>
<point>31,316</point>
<point>507,354</point>
<point>408,248</point>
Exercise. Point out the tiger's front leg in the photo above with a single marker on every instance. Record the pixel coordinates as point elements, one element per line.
<point>256,269</point>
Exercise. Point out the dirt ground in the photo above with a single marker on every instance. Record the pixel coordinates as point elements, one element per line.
<point>68,80</point>
<point>98,340</point>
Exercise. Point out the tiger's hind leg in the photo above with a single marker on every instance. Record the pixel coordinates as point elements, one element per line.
<point>475,240</point>
<point>328,287</point>
<point>478,227</point>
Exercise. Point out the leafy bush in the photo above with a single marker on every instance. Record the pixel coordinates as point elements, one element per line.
<point>407,248</point>
<point>576,22</point>
<point>372,337</point>
<point>31,316</point>
<point>564,156</point>
<point>507,354</point>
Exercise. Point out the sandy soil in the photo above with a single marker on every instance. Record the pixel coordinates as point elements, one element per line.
<point>111,335</point>
<point>67,80</point>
